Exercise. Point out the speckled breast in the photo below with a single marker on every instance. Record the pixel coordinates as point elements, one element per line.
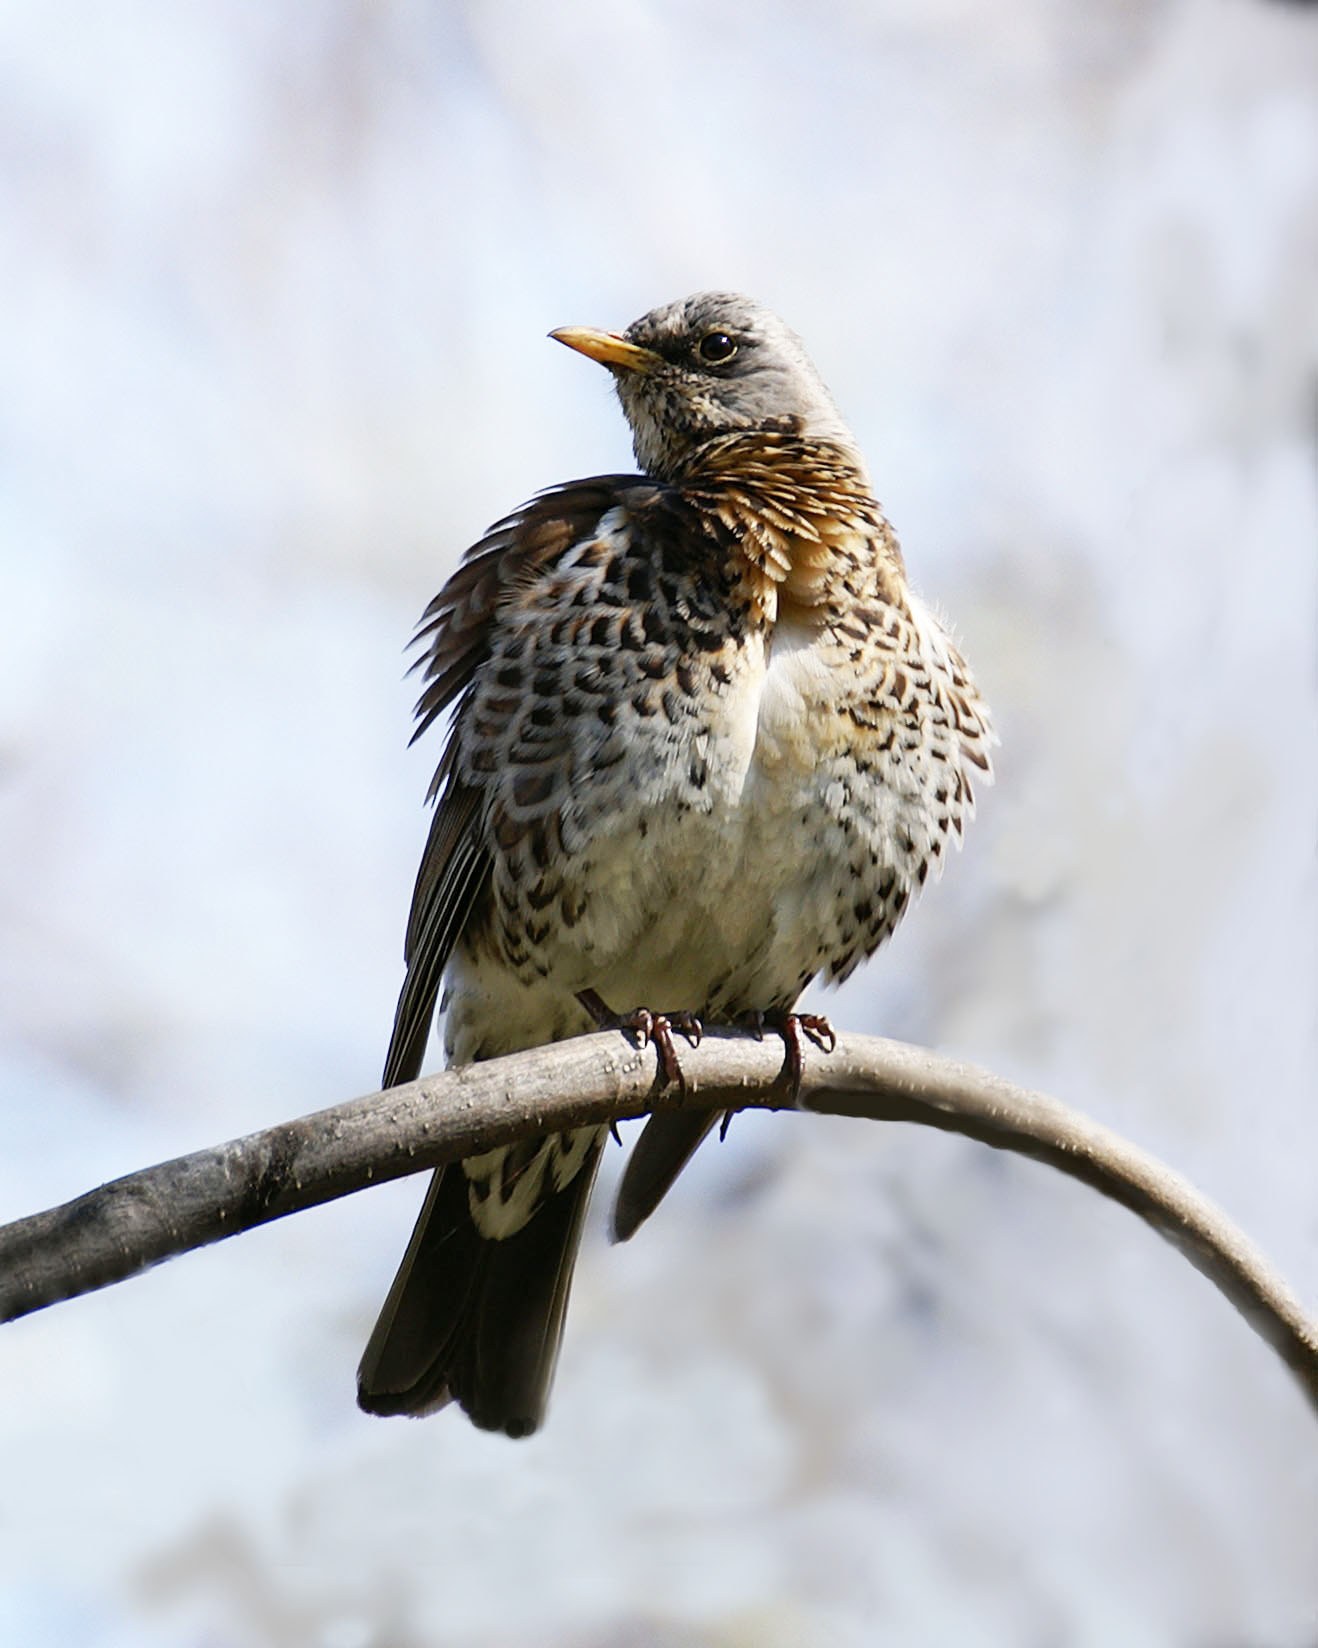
<point>693,804</point>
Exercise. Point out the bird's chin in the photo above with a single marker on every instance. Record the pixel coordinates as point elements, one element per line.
<point>667,425</point>
<point>656,454</point>
<point>654,444</point>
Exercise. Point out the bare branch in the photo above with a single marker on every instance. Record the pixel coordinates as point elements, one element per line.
<point>115,1231</point>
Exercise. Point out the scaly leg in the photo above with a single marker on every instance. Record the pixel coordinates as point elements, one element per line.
<point>792,1027</point>
<point>649,1027</point>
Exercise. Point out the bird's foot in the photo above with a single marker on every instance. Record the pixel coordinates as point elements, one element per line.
<point>793,1028</point>
<point>649,1027</point>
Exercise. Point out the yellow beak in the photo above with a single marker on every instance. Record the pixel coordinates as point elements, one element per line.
<point>607,348</point>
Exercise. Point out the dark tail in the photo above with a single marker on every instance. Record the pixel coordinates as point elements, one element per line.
<point>474,1319</point>
<point>667,1143</point>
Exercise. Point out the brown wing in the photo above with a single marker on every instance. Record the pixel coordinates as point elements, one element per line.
<point>454,870</point>
<point>456,626</point>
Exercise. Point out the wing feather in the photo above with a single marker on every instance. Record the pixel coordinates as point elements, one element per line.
<point>456,629</point>
<point>455,869</point>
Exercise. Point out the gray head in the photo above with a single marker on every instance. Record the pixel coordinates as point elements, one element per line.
<point>710,365</point>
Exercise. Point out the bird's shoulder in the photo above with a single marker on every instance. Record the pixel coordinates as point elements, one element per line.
<point>597,542</point>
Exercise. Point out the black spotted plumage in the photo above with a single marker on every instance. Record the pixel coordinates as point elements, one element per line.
<point>706,743</point>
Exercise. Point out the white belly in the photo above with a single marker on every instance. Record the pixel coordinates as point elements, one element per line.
<point>719,908</point>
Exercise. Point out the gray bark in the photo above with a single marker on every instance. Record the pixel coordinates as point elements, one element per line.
<point>121,1228</point>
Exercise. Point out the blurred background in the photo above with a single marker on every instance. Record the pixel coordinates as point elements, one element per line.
<point>274,284</point>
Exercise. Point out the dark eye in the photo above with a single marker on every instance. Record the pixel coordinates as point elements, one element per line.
<point>716,347</point>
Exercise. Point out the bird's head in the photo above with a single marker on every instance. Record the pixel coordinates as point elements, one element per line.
<point>710,365</point>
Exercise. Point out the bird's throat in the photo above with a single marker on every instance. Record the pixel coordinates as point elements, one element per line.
<point>802,517</point>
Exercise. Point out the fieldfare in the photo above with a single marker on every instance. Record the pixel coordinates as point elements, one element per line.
<point>707,745</point>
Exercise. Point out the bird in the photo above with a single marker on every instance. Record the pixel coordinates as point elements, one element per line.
<point>706,745</point>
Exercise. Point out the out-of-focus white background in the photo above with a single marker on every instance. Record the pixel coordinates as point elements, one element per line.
<point>274,284</point>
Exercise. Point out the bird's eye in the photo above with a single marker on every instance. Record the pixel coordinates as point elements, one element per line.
<point>716,347</point>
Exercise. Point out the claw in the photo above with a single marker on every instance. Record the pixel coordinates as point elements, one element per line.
<point>641,1022</point>
<point>649,1027</point>
<point>670,1067</point>
<point>792,1027</point>
<point>819,1030</point>
<point>686,1024</point>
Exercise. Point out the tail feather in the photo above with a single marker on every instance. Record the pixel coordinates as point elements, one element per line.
<point>473,1319</point>
<point>667,1143</point>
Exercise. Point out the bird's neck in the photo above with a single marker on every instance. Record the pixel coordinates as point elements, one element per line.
<point>803,515</point>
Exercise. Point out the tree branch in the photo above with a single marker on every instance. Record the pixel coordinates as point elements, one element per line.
<point>133,1222</point>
